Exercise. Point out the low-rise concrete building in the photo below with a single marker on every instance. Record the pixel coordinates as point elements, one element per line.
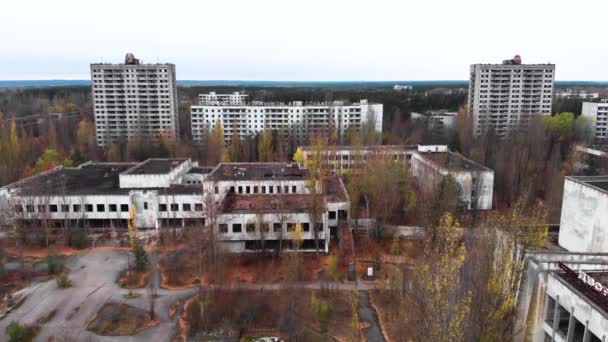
<point>591,160</point>
<point>597,114</point>
<point>475,182</point>
<point>564,293</point>
<point>235,199</point>
<point>437,119</point>
<point>344,158</point>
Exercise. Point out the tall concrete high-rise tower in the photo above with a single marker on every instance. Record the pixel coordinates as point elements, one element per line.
<point>134,100</point>
<point>505,96</point>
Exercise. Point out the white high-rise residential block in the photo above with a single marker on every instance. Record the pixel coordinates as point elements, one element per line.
<point>295,118</point>
<point>213,99</point>
<point>134,100</point>
<point>597,112</point>
<point>505,96</point>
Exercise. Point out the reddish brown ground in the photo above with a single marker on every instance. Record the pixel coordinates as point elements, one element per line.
<point>182,270</point>
<point>392,327</point>
<point>265,309</point>
<point>369,250</point>
<point>40,252</point>
<point>133,279</point>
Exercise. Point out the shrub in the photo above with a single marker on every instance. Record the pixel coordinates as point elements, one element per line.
<point>51,261</point>
<point>63,281</point>
<point>18,332</point>
<point>377,263</point>
<point>395,246</point>
<point>141,258</point>
<point>332,266</point>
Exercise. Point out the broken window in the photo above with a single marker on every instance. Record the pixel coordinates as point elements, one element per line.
<point>223,228</point>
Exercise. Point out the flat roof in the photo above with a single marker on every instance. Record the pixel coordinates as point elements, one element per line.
<point>90,178</point>
<point>258,171</point>
<point>155,166</point>
<point>203,170</point>
<point>334,190</point>
<point>571,278</point>
<point>598,182</point>
<point>453,161</point>
<point>600,150</point>
<point>235,203</point>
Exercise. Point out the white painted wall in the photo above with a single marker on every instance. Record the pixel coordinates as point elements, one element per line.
<point>428,175</point>
<point>129,181</point>
<point>584,218</point>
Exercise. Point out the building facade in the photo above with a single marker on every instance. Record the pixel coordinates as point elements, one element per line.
<point>564,293</point>
<point>597,114</point>
<point>345,158</point>
<point>296,119</point>
<point>591,160</point>
<point>133,100</point>
<point>475,182</point>
<point>213,99</point>
<point>506,96</point>
<point>584,218</point>
<point>238,200</point>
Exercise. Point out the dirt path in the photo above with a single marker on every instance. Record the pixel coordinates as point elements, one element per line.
<point>368,314</point>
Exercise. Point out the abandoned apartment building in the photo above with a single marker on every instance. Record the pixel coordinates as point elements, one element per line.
<point>564,295</point>
<point>247,202</point>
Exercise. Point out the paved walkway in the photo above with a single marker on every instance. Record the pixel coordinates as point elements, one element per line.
<point>93,274</point>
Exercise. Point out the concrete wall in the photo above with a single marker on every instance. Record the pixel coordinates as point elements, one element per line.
<point>531,299</point>
<point>245,218</point>
<point>129,181</point>
<point>429,175</point>
<point>584,218</point>
<point>577,305</point>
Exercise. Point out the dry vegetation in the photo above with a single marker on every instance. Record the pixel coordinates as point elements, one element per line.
<point>179,268</point>
<point>115,319</point>
<point>238,313</point>
<point>133,279</point>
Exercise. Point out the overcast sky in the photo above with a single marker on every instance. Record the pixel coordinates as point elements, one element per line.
<point>303,40</point>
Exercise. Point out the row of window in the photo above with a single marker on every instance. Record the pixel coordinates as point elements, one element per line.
<point>76,208</point>
<point>162,207</point>
<point>100,208</point>
<point>263,189</point>
<point>265,227</point>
